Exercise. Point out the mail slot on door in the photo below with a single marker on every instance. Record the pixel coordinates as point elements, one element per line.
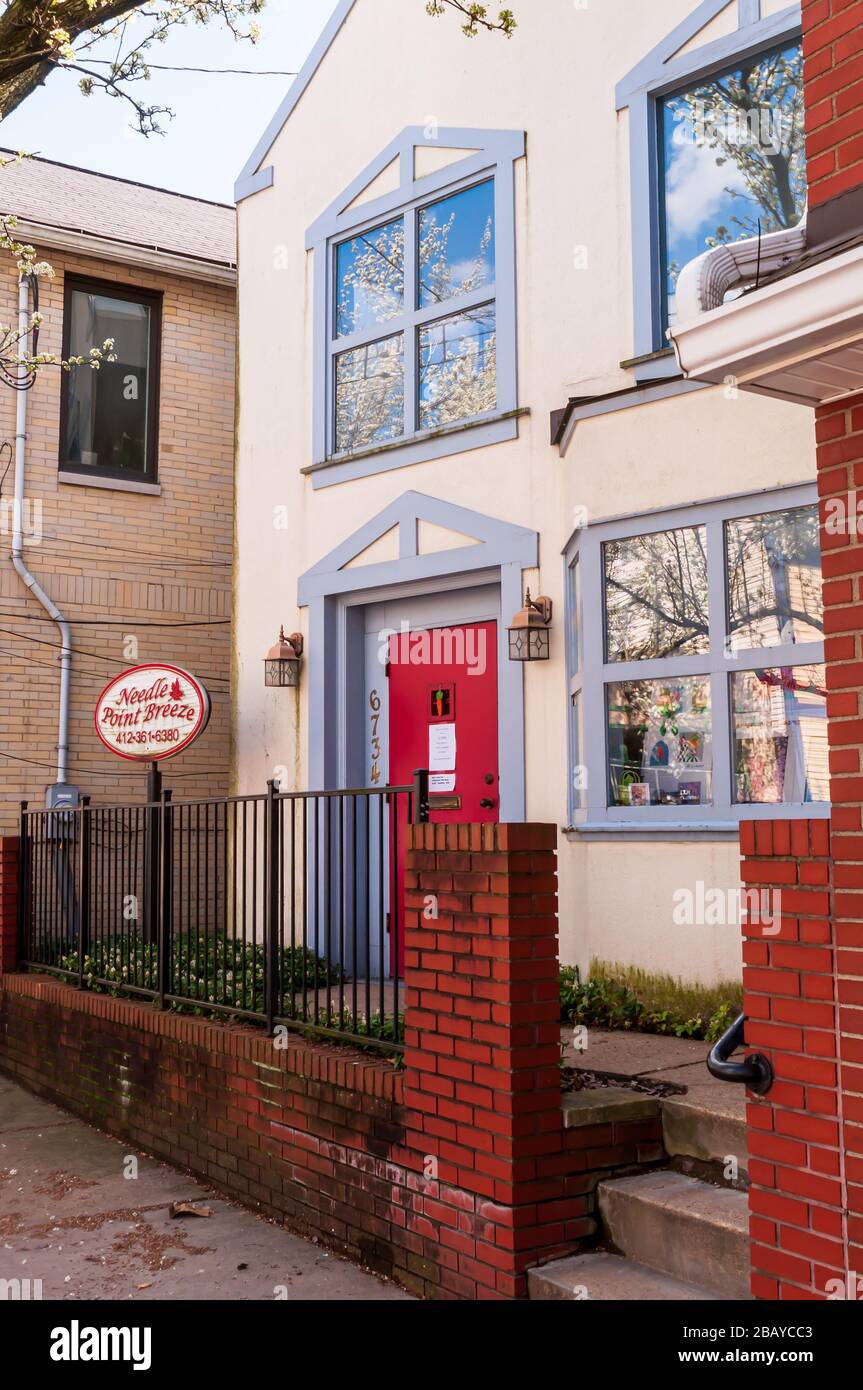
<point>440,801</point>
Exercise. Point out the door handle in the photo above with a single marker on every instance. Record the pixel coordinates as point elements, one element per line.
<point>487,803</point>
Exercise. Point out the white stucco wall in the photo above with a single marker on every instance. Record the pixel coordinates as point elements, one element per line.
<point>390,67</point>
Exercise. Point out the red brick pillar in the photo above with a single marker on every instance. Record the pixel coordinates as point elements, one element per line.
<point>833,89</point>
<point>796,1158</point>
<point>804,987</point>
<point>8,903</point>
<point>839,433</point>
<point>482,1029</point>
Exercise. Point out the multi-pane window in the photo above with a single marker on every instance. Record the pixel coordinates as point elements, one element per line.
<point>697,680</point>
<point>109,417</point>
<point>733,159</point>
<point>414,343</point>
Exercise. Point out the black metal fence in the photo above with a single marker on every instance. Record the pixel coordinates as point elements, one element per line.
<point>281,909</point>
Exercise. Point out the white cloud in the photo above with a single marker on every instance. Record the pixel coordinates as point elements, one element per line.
<point>696,189</point>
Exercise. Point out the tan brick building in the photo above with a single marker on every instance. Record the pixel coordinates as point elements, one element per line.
<point>129,473</point>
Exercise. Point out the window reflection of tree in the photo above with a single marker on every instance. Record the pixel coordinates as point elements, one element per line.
<point>774,578</point>
<point>656,595</point>
<point>370,394</point>
<point>463,383</point>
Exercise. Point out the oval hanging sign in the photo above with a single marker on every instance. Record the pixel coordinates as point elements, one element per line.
<point>152,712</point>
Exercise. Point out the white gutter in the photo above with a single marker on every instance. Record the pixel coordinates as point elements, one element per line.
<point>18,544</point>
<point>704,282</point>
<point>819,309</point>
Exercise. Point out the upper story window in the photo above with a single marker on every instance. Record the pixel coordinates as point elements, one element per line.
<point>716,149</point>
<point>734,161</point>
<point>416,318</point>
<point>378,289</point>
<point>109,417</point>
<point>697,680</point>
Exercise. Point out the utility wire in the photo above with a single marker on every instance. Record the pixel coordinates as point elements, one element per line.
<point>152,563</point>
<point>157,555</point>
<point>170,67</point>
<point>119,622</point>
<point>56,541</point>
<point>96,656</point>
<point>32,661</point>
<point>100,771</point>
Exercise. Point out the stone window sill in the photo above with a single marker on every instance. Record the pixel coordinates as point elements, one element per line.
<point>110,484</point>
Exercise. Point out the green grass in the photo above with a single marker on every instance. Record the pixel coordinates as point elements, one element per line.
<point>625,997</point>
<point>660,992</point>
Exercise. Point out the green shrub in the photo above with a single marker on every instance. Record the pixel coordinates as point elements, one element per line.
<point>212,969</point>
<point>655,1004</point>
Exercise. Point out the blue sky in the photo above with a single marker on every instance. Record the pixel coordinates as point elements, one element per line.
<point>217,121</point>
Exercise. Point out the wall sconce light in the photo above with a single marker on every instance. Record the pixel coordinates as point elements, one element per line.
<point>528,635</point>
<point>282,662</point>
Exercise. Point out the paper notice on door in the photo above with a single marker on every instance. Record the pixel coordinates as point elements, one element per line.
<point>441,747</point>
<point>442,782</point>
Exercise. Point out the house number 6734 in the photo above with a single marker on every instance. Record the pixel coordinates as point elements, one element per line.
<point>375,707</point>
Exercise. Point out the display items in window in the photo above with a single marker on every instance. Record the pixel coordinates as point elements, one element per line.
<point>659,742</point>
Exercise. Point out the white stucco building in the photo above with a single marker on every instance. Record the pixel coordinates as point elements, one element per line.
<point>458,263</point>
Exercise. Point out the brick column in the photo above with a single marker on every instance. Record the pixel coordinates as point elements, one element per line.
<point>833,89</point>
<point>804,986</point>
<point>8,902</point>
<point>839,433</point>
<point>796,1160</point>
<point>482,1080</point>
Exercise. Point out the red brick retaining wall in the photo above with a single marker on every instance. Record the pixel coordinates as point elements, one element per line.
<point>454,1175</point>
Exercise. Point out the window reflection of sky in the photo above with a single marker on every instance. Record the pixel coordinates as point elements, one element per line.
<point>706,201</point>
<point>370,278</point>
<point>456,250</point>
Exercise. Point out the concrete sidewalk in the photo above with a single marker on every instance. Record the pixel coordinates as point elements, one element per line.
<point>69,1217</point>
<point>681,1061</point>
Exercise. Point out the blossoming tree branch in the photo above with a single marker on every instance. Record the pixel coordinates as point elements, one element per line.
<point>39,36</point>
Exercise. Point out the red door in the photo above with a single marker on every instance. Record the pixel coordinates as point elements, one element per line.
<point>443,716</point>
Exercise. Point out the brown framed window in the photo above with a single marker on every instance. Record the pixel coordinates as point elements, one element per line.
<point>109,419</point>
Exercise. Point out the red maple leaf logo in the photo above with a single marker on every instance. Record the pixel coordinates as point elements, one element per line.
<point>177,691</point>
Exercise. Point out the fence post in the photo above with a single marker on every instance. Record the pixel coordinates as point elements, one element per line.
<point>420,798</point>
<point>84,887</point>
<point>23,885</point>
<point>165,937</point>
<point>271,906</point>
<point>152,853</point>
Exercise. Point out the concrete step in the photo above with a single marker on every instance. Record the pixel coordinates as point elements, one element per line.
<point>606,1105</point>
<point>708,1129</point>
<point>682,1227</point>
<point>603,1276</point>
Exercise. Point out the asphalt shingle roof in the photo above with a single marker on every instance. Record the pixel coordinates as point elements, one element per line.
<point>78,200</point>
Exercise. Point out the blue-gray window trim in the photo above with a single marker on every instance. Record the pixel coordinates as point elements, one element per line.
<point>658,74</point>
<point>492,154</point>
<point>253,178</point>
<point>590,811</point>
<point>332,593</point>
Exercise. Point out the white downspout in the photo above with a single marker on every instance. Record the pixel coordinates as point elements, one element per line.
<point>18,545</point>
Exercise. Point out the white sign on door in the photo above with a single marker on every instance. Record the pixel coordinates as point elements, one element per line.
<point>441,747</point>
